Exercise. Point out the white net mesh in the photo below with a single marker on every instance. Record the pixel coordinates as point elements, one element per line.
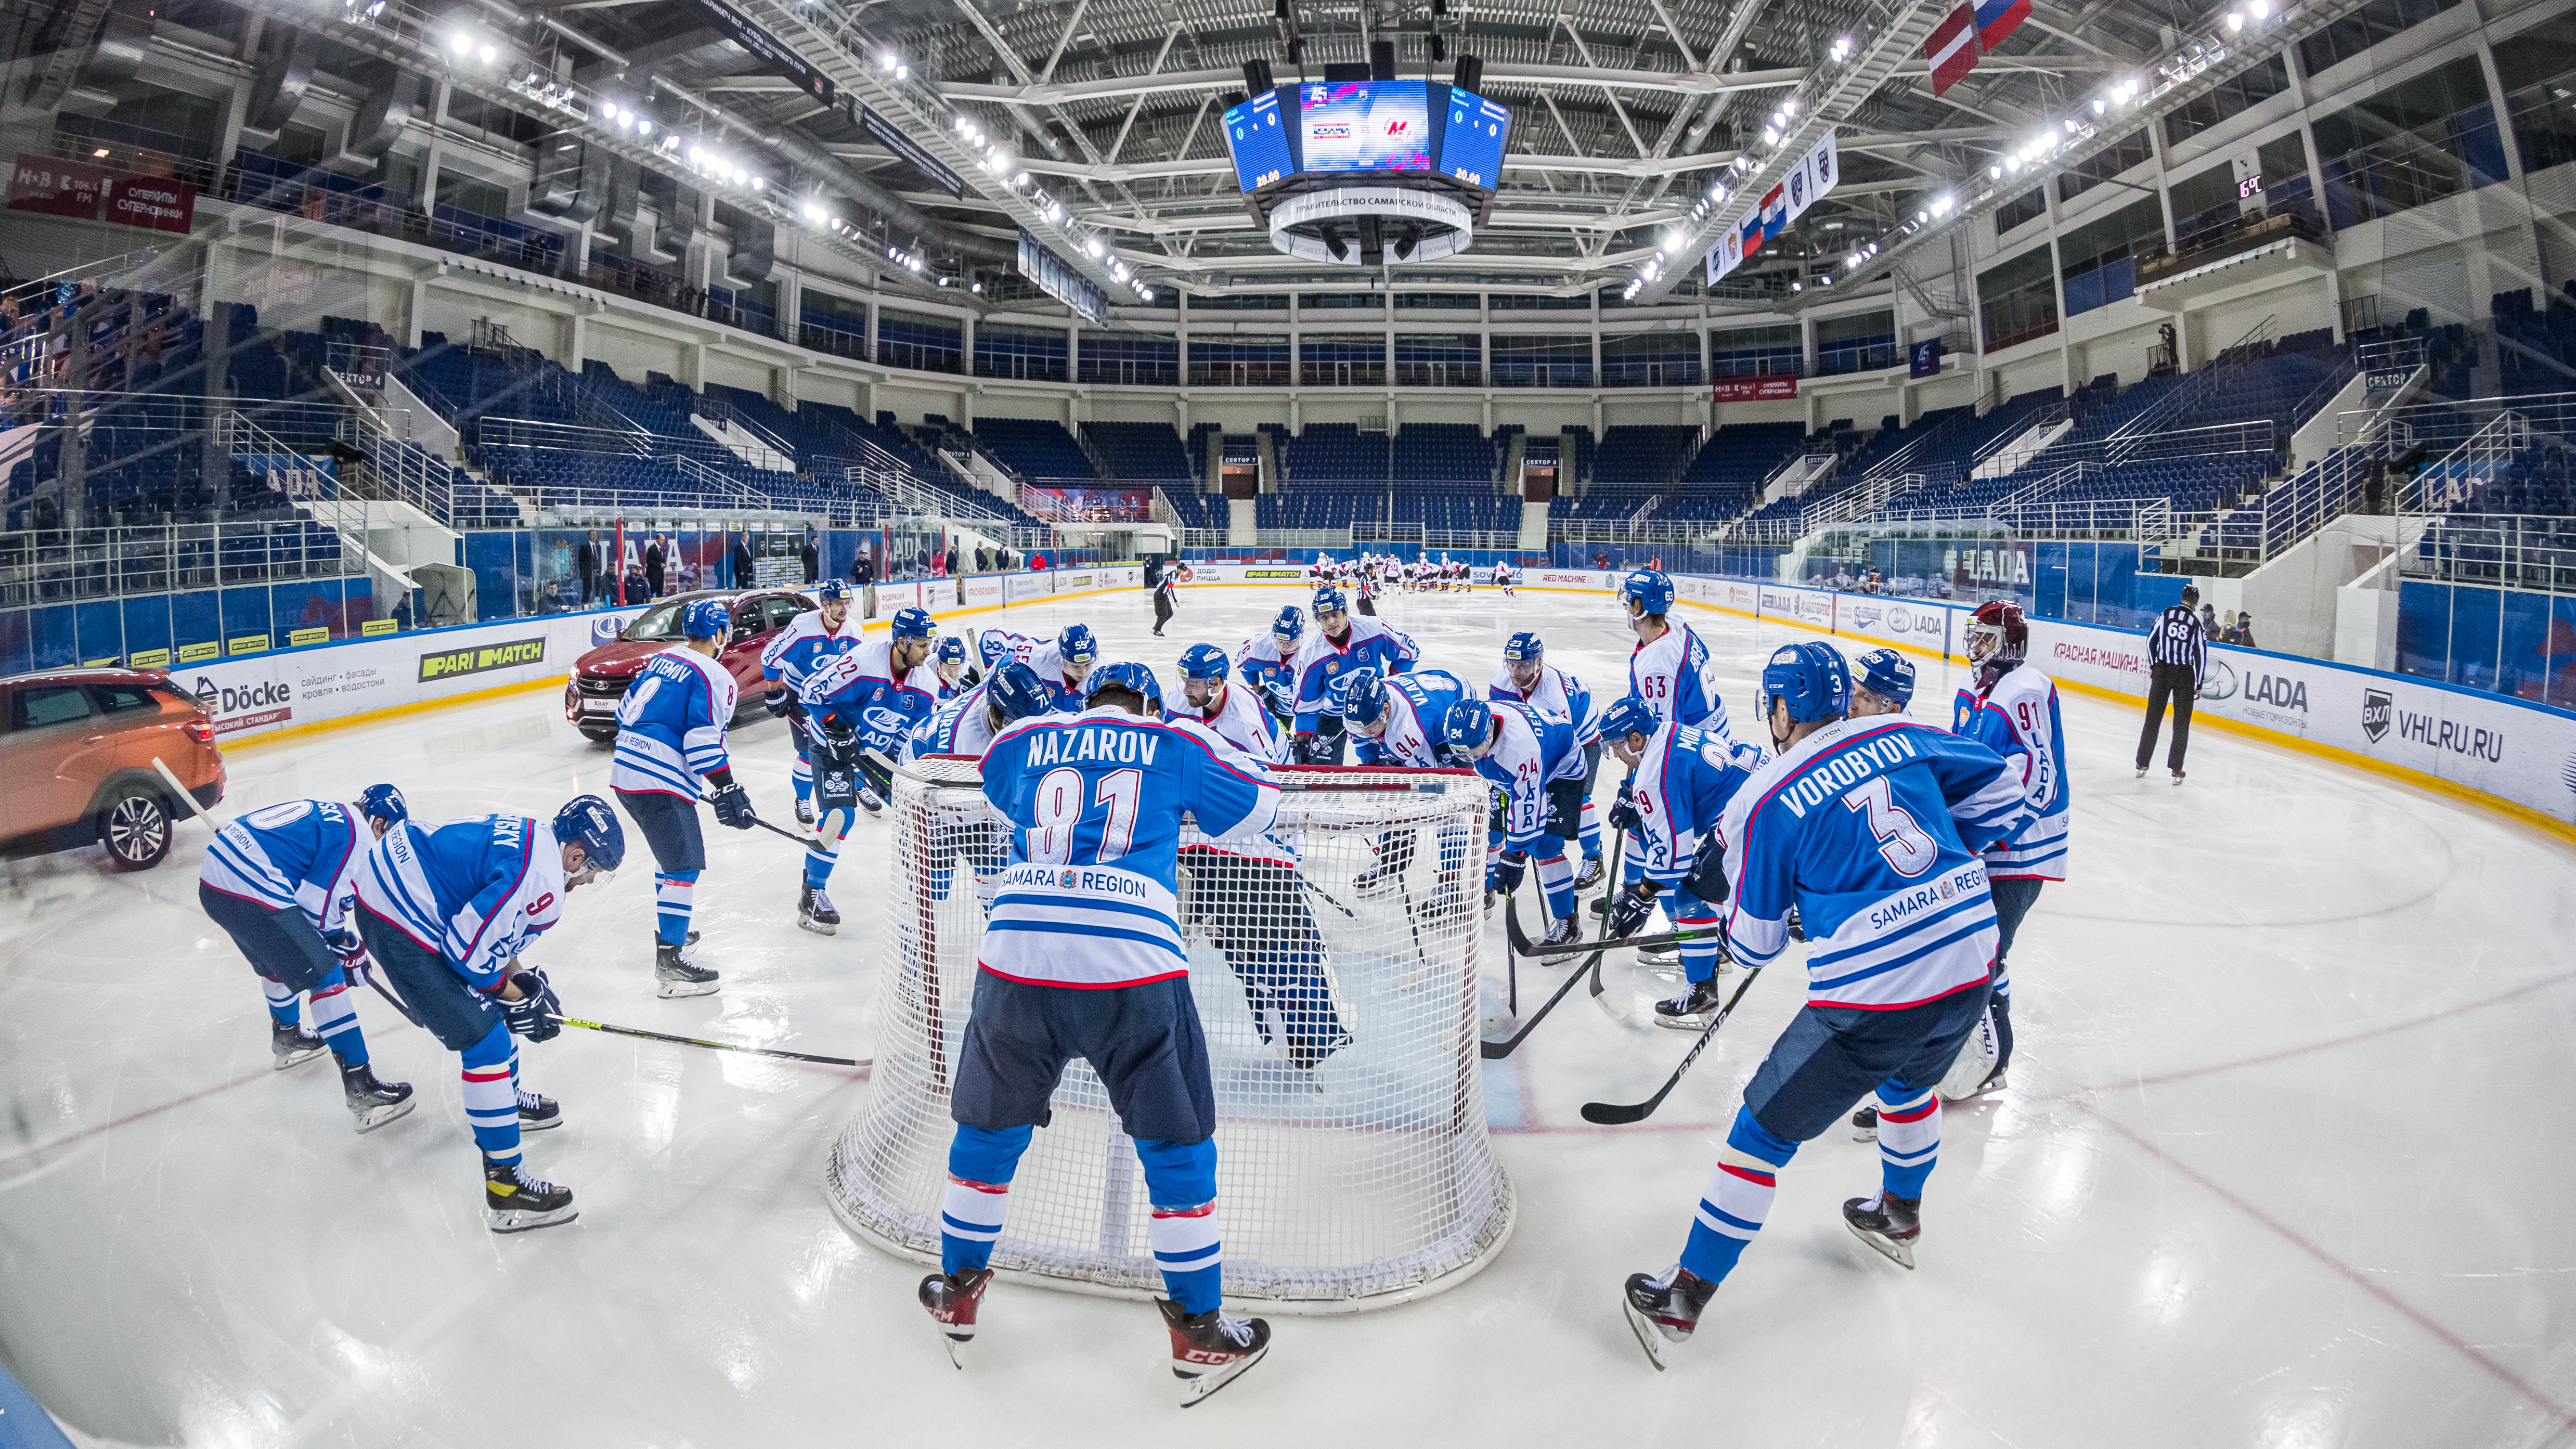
<point>1338,994</point>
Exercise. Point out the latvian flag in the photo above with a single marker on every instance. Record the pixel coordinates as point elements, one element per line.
<point>1997,19</point>
<point>1953,46</point>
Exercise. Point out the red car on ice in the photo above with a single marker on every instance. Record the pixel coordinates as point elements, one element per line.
<point>599,678</point>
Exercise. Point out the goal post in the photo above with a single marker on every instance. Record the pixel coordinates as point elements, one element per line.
<point>1334,968</point>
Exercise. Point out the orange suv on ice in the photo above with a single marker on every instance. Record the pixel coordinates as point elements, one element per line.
<point>76,751</point>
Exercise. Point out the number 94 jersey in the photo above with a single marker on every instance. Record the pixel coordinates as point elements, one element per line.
<point>2017,716</point>
<point>1094,803</point>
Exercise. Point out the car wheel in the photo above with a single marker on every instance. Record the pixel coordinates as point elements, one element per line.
<point>135,827</point>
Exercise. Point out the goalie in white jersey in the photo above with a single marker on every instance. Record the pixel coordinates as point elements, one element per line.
<point>2012,704</point>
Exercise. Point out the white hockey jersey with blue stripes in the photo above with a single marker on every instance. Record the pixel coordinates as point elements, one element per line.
<point>671,724</point>
<point>1871,828</point>
<point>2018,716</point>
<point>1417,704</point>
<point>1676,679</point>
<point>300,853</point>
<point>1557,695</point>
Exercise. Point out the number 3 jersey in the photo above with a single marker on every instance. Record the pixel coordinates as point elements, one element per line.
<point>2017,715</point>
<point>1871,828</point>
<point>1094,802</point>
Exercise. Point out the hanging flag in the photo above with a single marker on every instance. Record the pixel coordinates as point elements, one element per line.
<point>1775,212</point>
<point>1997,19</point>
<point>1749,240</point>
<point>1812,177</point>
<point>1953,47</point>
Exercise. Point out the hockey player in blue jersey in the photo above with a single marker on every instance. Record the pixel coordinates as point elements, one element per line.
<point>1339,644</point>
<point>282,881</point>
<point>808,640</point>
<point>1398,721</point>
<point>2011,707</point>
<point>1682,779</point>
<point>1528,677</point>
<point>671,730</point>
<point>966,724</point>
<point>1882,683</point>
<point>447,912</point>
<point>1540,774</point>
<point>1671,673</point>
<point>1264,662</point>
<point>1083,958</point>
<point>1870,829</point>
<point>870,699</point>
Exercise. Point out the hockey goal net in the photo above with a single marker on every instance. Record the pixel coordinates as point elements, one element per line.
<point>1336,980</point>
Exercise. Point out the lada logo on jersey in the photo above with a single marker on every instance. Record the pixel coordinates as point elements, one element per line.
<point>885,721</point>
<point>2377,709</point>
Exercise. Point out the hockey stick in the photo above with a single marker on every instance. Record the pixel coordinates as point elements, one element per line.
<point>722,1046</point>
<point>1609,1114</point>
<point>1497,1050</point>
<point>782,832</point>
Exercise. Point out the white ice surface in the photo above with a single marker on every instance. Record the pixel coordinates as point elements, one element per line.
<point>2278,1166</point>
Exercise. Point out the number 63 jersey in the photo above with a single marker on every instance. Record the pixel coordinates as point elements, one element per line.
<point>1094,802</point>
<point>1871,828</point>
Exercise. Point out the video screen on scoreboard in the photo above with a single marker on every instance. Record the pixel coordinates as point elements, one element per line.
<point>1259,141</point>
<point>1365,126</point>
<point>1471,145</point>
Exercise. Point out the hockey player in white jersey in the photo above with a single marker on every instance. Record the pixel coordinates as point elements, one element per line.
<point>867,701</point>
<point>1084,958</point>
<point>966,724</point>
<point>671,729</point>
<point>1063,662</point>
<point>1264,661</point>
<point>1526,675</point>
<point>1540,772</point>
<point>1671,673</point>
<point>1398,721</point>
<point>1235,715</point>
<point>282,881</point>
<point>810,639</point>
<point>1870,829</point>
<point>2011,703</point>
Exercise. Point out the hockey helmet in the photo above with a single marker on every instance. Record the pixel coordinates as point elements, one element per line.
<point>1359,697</point>
<point>1466,728</point>
<point>383,802</point>
<point>1076,646</point>
<point>1018,692</point>
<point>834,591</point>
<point>1329,600</point>
<point>1887,674</point>
<point>1290,625</point>
<point>1811,679</point>
<point>1124,675</point>
<point>1999,626</point>
<point>1628,717</point>
<point>1203,661</point>
<point>1523,647</point>
<point>912,624</point>
<point>586,821</point>
<point>706,619</point>
<point>1651,590</point>
<point>950,650</point>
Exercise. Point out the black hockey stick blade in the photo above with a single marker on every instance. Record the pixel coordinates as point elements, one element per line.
<point>1494,1051</point>
<point>1612,1114</point>
<point>722,1046</point>
<point>780,831</point>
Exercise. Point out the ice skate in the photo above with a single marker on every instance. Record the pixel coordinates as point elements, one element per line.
<point>2142,772</point>
<point>293,1045</point>
<point>871,801</point>
<point>814,912</point>
<point>1993,1083</point>
<point>1566,934</point>
<point>1663,1311</point>
<point>805,811</point>
<point>1211,1349</point>
<point>2177,777</point>
<point>1691,1010</point>
<point>372,1102</point>
<point>1590,875</point>
<point>1664,959</point>
<point>951,1300</point>
<point>1865,1125</point>
<point>536,1113</point>
<point>1889,1224</point>
<point>674,974</point>
<point>514,1202</point>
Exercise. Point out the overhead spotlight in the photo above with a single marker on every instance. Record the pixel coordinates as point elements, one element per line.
<point>461,43</point>
<point>1797,286</point>
<point>1921,217</point>
<point>813,212</point>
<point>1093,246</point>
<point>1771,135</point>
<point>487,54</point>
<point>1789,107</point>
<point>2235,21</point>
<point>2100,105</point>
<point>975,287</point>
<point>1149,294</point>
<point>2012,163</point>
<point>2260,8</point>
<point>1334,246</point>
<point>887,61</point>
<point>943,281</point>
<point>1842,47</point>
<point>1995,170</point>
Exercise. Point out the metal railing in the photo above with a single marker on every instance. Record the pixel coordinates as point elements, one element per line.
<point>2495,550</point>
<point>60,566</point>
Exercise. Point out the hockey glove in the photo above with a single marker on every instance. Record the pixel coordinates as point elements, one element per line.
<point>534,1014</point>
<point>778,702</point>
<point>1507,875</point>
<point>1707,877</point>
<point>733,805</point>
<point>346,945</point>
<point>1629,909</point>
<point>1623,811</point>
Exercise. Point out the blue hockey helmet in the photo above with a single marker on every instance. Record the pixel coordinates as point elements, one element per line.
<point>1651,590</point>
<point>1203,661</point>
<point>1124,675</point>
<point>1628,717</point>
<point>1466,727</point>
<point>912,624</point>
<point>1811,679</point>
<point>950,650</point>
<point>834,591</point>
<point>1075,645</point>
<point>706,619</point>
<point>1329,600</point>
<point>1019,693</point>
<point>1359,697</point>
<point>1523,647</point>
<point>586,821</point>
<point>383,802</point>
<point>1290,625</point>
<point>1887,674</point>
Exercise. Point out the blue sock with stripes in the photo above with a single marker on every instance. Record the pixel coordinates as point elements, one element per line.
<point>1738,1197</point>
<point>674,897</point>
<point>1180,1181</point>
<point>981,1161</point>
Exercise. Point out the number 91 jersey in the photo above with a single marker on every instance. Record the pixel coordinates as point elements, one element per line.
<point>2018,717</point>
<point>1094,802</point>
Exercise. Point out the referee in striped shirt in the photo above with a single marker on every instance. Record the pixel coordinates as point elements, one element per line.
<point>2177,646</point>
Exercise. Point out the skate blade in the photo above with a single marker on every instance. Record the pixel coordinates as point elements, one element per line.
<point>1901,1254</point>
<point>1195,1388</point>
<point>1864,1134</point>
<point>819,928</point>
<point>541,1124</point>
<point>1647,1337</point>
<point>669,989</point>
<point>1685,1023</point>
<point>299,1058</point>
<point>374,1117</point>
<point>954,1342</point>
<point>513,1220</point>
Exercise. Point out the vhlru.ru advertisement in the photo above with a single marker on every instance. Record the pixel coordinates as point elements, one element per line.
<point>2516,751</point>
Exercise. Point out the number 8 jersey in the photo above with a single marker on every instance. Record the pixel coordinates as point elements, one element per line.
<point>1094,801</point>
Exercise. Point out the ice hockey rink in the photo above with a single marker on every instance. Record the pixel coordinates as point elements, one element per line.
<point>2281,1163</point>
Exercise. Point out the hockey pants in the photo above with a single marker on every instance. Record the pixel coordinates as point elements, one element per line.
<point>288,955</point>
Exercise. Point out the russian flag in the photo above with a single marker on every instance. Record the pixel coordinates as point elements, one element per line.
<point>1997,19</point>
<point>1953,46</point>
